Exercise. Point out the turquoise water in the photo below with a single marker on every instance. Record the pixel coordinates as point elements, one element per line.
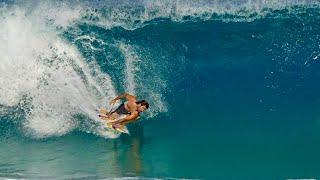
<point>233,89</point>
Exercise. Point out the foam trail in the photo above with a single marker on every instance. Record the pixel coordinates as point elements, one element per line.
<point>132,60</point>
<point>39,65</point>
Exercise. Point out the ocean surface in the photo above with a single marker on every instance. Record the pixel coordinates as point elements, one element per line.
<point>233,88</point>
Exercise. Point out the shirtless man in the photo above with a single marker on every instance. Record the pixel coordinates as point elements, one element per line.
<point>131,108</point>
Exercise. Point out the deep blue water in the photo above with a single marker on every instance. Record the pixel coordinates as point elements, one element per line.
<point>233,89</point>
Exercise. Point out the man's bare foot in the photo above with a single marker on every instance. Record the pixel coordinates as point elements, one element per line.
<point>102,115</point>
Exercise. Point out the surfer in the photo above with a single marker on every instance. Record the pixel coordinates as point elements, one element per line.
<point>131,108</point>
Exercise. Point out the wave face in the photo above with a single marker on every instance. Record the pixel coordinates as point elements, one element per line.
<point>61,60</point>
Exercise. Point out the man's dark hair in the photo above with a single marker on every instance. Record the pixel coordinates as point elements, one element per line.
<point>143,103</point>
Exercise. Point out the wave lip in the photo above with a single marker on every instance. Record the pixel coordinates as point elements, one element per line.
<point>138,14</point>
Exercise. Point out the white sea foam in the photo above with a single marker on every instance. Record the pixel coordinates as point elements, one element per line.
<point>36,63</point>
<point>137,14</point>
<point>132,61</point>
